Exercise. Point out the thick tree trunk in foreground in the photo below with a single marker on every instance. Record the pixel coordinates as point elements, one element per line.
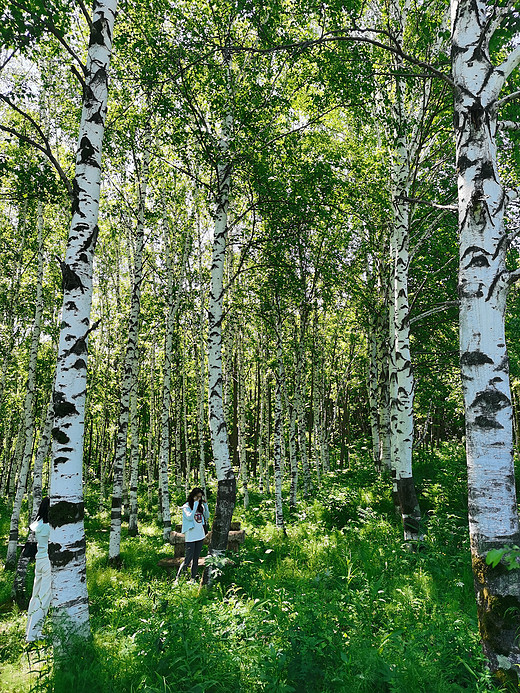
<point>10,561</point>
<point>483,284</point>
<point>67,539</point>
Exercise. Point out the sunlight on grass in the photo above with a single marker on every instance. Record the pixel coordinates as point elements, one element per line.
<point>336,606</point>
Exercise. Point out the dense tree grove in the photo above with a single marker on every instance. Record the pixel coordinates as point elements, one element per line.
<point>242,241</point>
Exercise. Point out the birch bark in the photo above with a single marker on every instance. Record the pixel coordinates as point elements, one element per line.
<point>28,414</point>
<point>226,492</point>
<point>242,451</point>
<point>18,592</point>
<point>483,284</point>
<point>129,379</point>
<point>133,529</point>
<point>278,432</point>
<point>67,538</point>
<point>401,375</point>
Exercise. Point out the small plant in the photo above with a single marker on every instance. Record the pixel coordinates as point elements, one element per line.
<point>508,554</point>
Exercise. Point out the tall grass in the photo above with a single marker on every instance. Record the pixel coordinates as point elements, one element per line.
<point>337,605</point>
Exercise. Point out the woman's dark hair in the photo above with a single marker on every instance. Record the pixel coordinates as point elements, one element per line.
<point>43,510</point>
<point>193,493</point>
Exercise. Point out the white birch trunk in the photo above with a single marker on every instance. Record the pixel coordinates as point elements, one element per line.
<point>150,452</point>
<point>67,539</point>
<point>242,452</point>
<point>278,432</point>
<point>261,434</point>
<point>373,388</point>
<point>173,301</point>
<point>44,444</point>
<point>201,374</point>
<point>226,493</point>
<point>293,460</point>
<point>130,366</point>
<point>401,375</point>
<point>133,530</point>
<point>185,420</point>
<point>28,415</point>
<point>483,284</point>
<point>300,417</point>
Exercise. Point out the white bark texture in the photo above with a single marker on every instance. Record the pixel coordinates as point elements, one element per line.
<point>173,300</point>
<point>134,462</point>
<point>67,539</point>
<point>226,494</point>
<point>278,432</point>
<point>401,375</point>
<point>483,283</point>
<point>129,379</point>
<point>28,415</point>
<point>242,451</point>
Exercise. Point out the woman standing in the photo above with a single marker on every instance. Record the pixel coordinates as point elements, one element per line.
<point>195,514</point>
<point>41,594</point>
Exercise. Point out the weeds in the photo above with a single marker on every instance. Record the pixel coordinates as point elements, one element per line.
<point>338,605</point>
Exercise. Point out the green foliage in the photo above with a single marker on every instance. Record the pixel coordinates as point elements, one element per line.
<point>508,555</point>
<point>338,605</point>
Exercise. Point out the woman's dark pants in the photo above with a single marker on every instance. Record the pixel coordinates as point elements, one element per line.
<point>193,549</point>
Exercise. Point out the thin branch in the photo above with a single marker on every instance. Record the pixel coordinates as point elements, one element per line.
<point>510,63</point>
<point>46,150</point>
<point>415,200</point>
<point>508,125</point>
<point>328,38</point>
<point>506,99</point>
<point>433,311</point>
<point>85,13</point>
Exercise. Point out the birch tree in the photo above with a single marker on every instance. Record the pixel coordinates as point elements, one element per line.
<point>483,284</point>
<point>67,540</point>
<point>28,414</point>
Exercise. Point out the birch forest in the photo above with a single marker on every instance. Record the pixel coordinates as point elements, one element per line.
<point>268,250</point>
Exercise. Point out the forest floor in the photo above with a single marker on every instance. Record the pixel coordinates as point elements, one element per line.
<point>338,605</point>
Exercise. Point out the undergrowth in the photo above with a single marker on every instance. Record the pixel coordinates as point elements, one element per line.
<point>337,605</point>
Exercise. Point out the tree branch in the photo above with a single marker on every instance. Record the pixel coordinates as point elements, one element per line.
<point>508,125</point>
<point>46,150</point>
<point>433,311</point>
<point>85,13</point>
<point>506,99</point>
<point>415,200</point>
<point>506,68</point>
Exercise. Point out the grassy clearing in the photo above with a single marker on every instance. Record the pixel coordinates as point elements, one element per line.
<point>339,605</point>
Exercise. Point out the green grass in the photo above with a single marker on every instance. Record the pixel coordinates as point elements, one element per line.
<point>338,605</point>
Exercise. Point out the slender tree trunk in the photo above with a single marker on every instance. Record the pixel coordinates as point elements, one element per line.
<point>174,297</point>
<point>134,462</point>
<point>261,434</point>
<point>277,458</point>
<point>131,366</point>
<point>400,360</point>
<point>300,412</point>
<point>28,415</point>
<point>150,454</point>
<point>373,388</point>
<point>19,584</point>
<point>67,539</point>
<point>226,493</point>
<point>242,451</point>
<point>185,421</point>
<point>483,284</point>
